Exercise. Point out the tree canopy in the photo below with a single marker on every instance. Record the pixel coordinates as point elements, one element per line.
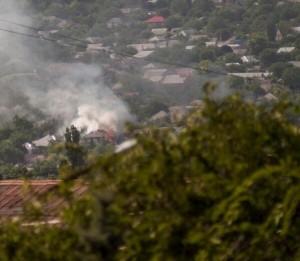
<point>225,188</point>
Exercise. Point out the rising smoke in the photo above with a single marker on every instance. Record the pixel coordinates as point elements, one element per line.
<point>72,92</point>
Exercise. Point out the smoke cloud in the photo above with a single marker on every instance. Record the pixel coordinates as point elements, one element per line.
<point>31,86</point>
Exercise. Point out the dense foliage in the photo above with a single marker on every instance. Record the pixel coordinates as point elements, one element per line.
<point>225,188</point>
<point>13,136</point>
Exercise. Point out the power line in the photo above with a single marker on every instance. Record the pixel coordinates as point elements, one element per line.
<point>36,29</point>
<point>39,37</point>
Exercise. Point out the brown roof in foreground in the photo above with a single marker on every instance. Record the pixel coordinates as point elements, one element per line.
<point>14,195</point>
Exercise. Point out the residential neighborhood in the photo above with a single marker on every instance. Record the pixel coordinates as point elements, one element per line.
<point>149,130</point>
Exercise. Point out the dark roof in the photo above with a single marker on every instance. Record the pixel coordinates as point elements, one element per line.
<point>14,195</point>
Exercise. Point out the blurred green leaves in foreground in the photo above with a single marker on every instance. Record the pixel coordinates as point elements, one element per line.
<point>226,187</point>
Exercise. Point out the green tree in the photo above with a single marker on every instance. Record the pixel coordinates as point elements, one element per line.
<point>291,77</point>
<point>278,68</point>
<point>74,151</point>
<point>268,56</point>
<point>225,188</point>
<point>258,44</point>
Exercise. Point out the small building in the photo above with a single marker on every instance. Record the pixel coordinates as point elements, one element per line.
<point>156,20</point>
<point>286,49</point>
<point>143,54</point>
<point>185,72</point>
<point>252,75</point>
<point>155,39</point>
<point>154,75</point>
<point>211,43</point>
<point>249,59</point>
<point>143,46</point>
<point>173,79</point>
<point>128,10</point>
<point>159,31</point>
<point>44,142</point>
<point>149,66</point>
<point>95,47</point>
<point>114,22</point>
<point>99,137</point>
<point>190,47</point>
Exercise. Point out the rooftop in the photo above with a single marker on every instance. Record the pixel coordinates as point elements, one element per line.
<point>155,19</point>
<point>173,79</point>
<point>286,49</point>
<point>15,194</point>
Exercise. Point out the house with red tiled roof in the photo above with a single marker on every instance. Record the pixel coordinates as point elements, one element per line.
<point>157,19</point>
<point>16,194</point>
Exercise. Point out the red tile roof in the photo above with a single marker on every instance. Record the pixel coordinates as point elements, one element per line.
<point>14,196</point>
<point>156,19</point>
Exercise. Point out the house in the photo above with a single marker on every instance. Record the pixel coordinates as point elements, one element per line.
<point>152,1</point>
<point>237,48</point>
<point>95,47</point>
<point>156,20</point>
<point>172,42</point>
<point>143,54</point>
<point>149,66</point>
<point>211,43</point>
<point>196,37</point>
<point>44,142</point>
<point>185,72</point>
<point>159,31</point>
<point>14,197</point>
<point>114,22</point>
<point>128,10</point>
<point>173,79</point>
<point>190,47</point>
<point>155,39</point>
<point>252,75</point>
<point>99,137</point>
<point>249,59</point>
<point>143,46</point>
<point>154,75</point>
<point>286,49</point>
<point>232,64</point>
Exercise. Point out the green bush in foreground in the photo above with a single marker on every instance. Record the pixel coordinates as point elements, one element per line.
<point>226,188</point>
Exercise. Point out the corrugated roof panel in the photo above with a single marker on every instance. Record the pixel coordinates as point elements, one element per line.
<point>14,196</point>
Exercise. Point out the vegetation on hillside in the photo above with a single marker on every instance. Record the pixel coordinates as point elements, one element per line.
<point>225,188</point>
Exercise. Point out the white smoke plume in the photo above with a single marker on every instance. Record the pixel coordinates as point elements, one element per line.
<point>73,92</point>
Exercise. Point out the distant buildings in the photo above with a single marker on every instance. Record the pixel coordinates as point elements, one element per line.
<point>167,77</point>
